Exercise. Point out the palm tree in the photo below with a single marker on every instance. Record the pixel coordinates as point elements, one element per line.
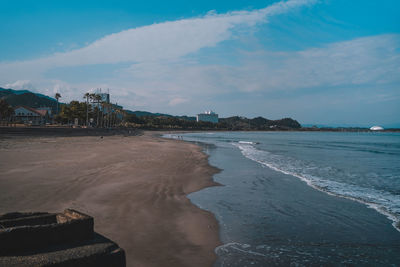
<point>107,109</point>
<point>96,98</point>
<point>57,96</point>
<point>118,116</point>
<point>87,95</point>
<point>104,108</point>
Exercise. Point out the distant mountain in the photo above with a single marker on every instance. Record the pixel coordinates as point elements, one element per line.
<point>234,123</point>
<point>259,123</point>
<point>4,91</point>
<point>20,92</point>
<point>27,98</point>
<point>139,114</point>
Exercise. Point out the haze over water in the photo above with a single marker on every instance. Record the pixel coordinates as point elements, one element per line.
<point>304,198</point>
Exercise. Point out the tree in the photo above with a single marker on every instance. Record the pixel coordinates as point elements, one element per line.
<point>73,110</point>
<point>105,113</point>
<point>119,116</point>
<point>57,96</point>
<point>96,98</point>
<point>132,118</point>
<point>87,96</point>
<point>6,111</point>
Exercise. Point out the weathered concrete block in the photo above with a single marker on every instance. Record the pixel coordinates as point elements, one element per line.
<point>50,239</point>
<point>25,231</point>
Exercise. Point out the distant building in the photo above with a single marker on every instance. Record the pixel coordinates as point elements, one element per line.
<point>109,107</point>
<point>208,116</point>
<point>105,97</point>
<point>376,128</point>
<point>32,116</point>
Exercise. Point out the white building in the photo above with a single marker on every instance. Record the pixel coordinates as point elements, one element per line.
<point>208,116</point>
<point>376,128</point>
<point>105,97</point>
<point>31,115</point>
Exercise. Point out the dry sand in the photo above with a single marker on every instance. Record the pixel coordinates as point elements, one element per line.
<point>134,187</point>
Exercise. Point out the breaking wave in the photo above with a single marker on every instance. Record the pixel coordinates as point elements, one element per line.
<point>320,178</point>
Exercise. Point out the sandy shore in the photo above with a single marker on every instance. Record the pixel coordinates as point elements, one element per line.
<point>134,187</point>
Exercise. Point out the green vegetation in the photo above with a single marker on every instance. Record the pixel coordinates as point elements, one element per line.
<point>258,123</point>
<point>232,123</point>
<point>57,97</point>
<point>96,113</point>
<point>164,122</point>
<point>6,112</point>
<point>27,98</point>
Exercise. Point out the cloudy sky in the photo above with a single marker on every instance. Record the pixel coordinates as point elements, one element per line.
<point>332,62</point>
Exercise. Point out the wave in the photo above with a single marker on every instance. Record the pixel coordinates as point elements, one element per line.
<point>248,142</point>
<point>239,247</point>
<point>382,201</point>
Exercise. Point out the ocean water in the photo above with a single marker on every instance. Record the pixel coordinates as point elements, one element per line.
<point>304,198</point>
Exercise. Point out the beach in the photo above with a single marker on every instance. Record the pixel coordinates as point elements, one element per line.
<point>135,187</point>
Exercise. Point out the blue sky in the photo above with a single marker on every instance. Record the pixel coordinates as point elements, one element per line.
<point>331,62</point>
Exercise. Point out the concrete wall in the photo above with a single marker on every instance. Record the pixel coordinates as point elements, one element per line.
<point>31,235</point>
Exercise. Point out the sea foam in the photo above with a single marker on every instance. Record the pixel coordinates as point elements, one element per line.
<point>382,201</point>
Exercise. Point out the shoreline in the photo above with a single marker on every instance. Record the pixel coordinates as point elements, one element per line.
<point>8,131</point>
<point>280,212</point>
<point>375,206</point>
<point>395,222</point>
<point>135,187</point>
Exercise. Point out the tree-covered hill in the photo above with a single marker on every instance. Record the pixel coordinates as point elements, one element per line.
<point>258,123</point>
<point>139,113</point>
<point>27,98</point>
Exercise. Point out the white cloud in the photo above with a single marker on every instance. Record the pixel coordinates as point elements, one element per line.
<point>20,85</point>
<point>149,46</point>
<point>177,100</point>
<point>168,40</point>
<point>362,61</point>
<point>368,61</point>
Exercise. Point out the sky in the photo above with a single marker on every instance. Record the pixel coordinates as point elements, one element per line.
<point>324,62</point>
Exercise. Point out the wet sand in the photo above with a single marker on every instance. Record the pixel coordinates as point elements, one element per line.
<point>134,187</point>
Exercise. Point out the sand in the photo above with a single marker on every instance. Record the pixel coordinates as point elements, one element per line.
<point>135,188</point>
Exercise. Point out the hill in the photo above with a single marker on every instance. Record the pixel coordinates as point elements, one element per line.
<point>139,114</point>
<point>258,123</point>
<point>27,98</point>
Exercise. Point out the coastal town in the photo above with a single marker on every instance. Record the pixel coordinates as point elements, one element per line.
<point>97,110</point>
<point>29,109</point>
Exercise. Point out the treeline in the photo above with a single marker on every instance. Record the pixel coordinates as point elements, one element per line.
<point>90,114</point>
<point>6,112</point>
<point>232,123</point>
<point>258,123</point>
<point>164,122</point>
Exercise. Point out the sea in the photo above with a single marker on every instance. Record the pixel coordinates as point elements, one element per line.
<point>303,198</point>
